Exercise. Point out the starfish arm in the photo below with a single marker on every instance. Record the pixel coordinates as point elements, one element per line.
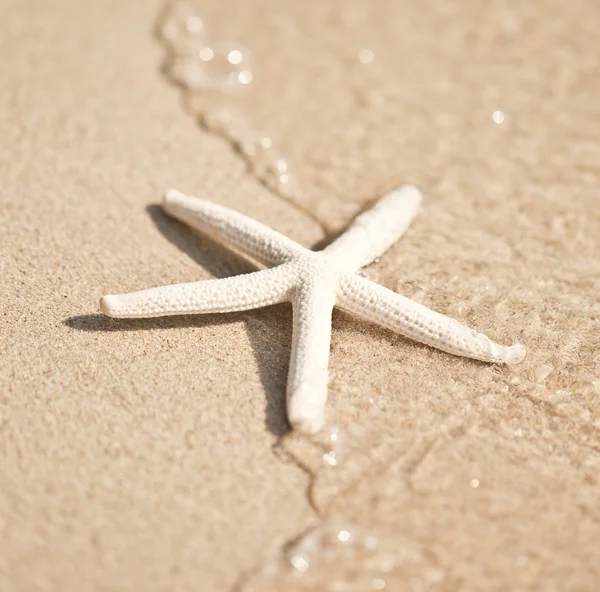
<point>308,374</point>
<point>373,232</point>
<point>392,311</point>
<point>249,237</point>
<point>242,292</point>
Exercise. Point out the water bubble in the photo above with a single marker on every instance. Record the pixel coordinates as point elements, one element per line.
<point>194,24</point>
<point>498,117</point>
<point>206,54</point>
<point>484,288</point>
<point>333,433</point>
<point>300,563</point>
<point>181,20</point>
<point>245,77</point>
<point>235,57</point>
<point>182,28</point>
<point>345,536</point>
<point>274,172</point>
<point>218,66</point>
<point>330,458</point>
<point>366,56</point>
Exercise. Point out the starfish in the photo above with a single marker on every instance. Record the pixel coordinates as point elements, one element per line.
<point>314,282</point>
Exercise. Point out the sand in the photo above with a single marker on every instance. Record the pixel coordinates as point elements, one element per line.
<point>150,455</point>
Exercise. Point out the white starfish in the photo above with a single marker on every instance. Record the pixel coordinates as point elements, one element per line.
<point>314,282</point>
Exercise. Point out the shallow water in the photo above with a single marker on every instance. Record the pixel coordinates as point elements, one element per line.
<point>341,557</point>
<point>215,73</point>
<point>431,485</point>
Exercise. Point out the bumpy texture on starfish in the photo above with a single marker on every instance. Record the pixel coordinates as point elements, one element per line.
<point>314,282</point>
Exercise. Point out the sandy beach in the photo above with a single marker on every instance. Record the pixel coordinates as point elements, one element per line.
<point>155,454</point>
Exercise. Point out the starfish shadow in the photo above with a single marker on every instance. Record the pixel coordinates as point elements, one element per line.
<point>269,331</point>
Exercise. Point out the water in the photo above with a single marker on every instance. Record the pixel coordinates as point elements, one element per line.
<point>212,74</point>
<point>343,557</point>
<point>473,136</point>
<point>475,301</point>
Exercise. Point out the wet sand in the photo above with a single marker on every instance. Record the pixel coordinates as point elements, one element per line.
<point>149,454</point>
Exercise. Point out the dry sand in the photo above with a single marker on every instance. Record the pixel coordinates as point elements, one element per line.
<point>146,455</point>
